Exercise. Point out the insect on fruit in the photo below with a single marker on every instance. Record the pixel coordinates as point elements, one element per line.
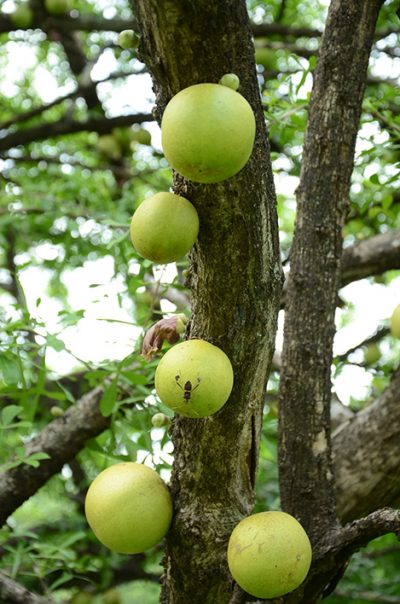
<point>183,368</point>
<point>187,388</point>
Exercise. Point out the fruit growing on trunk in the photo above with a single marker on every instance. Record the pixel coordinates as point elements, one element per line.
<point>208,132</point>
<point>128,39</point>
<point>164,227</point>
<point>129,508</point>
<point>230,80</point>
<point>160,419</point>
<point>269,554</point>
<point>194,378</point>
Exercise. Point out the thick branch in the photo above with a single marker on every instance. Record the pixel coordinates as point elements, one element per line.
<point>322,199</point>
<point>12,592</point>
<point>267,29</point>
<point>371,256</point>
<point>67,23</point>
<point>332,553</point>
<point>61,127</point>
<point>62,439</point>
<point>366,456</point>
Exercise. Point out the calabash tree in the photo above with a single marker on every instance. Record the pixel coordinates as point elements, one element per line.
<point>236,287</point>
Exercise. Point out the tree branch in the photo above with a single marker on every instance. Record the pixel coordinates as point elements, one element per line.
<point>68,23</point>
<point>267,29</point>
<point>61,439</point>
<point>370,256</point>
<point>333,551</point>
<point>12,592</point>
<point>376,337</point>
<point>366,456</point>
<point>80,90</point>
<point>61,127</point>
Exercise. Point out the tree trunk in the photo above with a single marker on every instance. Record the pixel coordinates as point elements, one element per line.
<point>236,282</point>
<point>306,478</point>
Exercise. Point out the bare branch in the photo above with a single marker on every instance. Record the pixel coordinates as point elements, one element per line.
<point>376,337</point>
<point>370,256</point>
<point>66,126</point>
<point>267,29</point>
<point>12,592</point>
<point>61,439</point>
<point>366,456</point>
<point>68,23</point>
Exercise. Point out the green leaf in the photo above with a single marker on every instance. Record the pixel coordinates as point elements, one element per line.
<point>136,378</point>
<point>61,580</point>
<point>35,459</point>
<point>9,413</point>
<point>55,342</point>
<point>109,399</point>
<point>9,370</point>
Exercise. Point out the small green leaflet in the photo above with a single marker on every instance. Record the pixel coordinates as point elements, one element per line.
<point>108,403</point>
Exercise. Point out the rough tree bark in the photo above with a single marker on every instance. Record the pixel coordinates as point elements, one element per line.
<point>371,256</point>
<point>306,478</point>
<point>62,439</point>
<point>236,286</point>
<point>367,456</point>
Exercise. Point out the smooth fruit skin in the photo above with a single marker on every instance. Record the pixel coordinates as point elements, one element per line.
<point>269,554</point>
<point>231,80</point>
<point>197,370</point>
<point>395,322</point>
<point>164,227</point>
<point>22,16</point>
<point>208,132</point>
<point>127,39</point>
<point>372,354</point>
<point>129,508</point>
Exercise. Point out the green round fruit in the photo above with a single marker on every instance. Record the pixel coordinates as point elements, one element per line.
<point>129,508</point>
<point>57,7</point>
<point>372,354</point>
<point>194,378</point>
<point>208,132</point>
<point>127,39</point>
<point>269,554</point>
<point>22,16</point>
<point>395,322</point>
<point>141,136</point>
<point>230,80</point>
<point>160,419</point>
<point>164,227</point>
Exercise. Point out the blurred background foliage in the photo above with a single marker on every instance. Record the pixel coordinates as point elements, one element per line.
<point>76,299</point>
